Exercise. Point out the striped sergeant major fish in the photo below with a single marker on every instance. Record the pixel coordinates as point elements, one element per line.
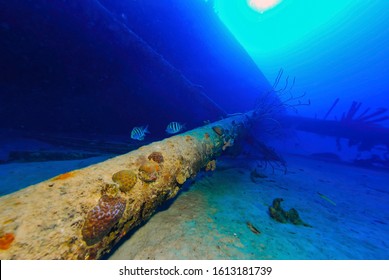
<point>139,132</point>
<point>174,127</point>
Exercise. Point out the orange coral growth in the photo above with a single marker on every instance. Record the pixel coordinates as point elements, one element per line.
<point>206,135</point>
<point>6,240</point>
<point>188,138</point>
<point>64,176</point>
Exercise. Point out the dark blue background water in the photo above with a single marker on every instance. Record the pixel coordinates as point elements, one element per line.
<point>86,67</point>
<point>102,67</point>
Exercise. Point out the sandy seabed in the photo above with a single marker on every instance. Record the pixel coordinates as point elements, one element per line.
<point>208,220</point>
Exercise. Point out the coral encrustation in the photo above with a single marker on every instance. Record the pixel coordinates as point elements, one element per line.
<point>100,220</point>
<point>156,156</point>
<point>126,179</point>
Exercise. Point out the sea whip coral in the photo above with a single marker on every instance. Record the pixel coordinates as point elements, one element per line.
<point>100,220</point>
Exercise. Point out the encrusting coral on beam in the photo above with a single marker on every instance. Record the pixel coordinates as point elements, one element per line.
<point>82,214</point>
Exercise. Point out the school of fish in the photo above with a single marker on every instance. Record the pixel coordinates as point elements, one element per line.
<point>139,132</point>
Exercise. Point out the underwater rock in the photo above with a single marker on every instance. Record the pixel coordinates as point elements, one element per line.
<point>294,218</point>
<point>149,171</point>
<point>126,179</point>
<point>277,203</point>
<point>282,216</point>
<point>277,213</point>
<point>101,219</point>
<point>156,156</point>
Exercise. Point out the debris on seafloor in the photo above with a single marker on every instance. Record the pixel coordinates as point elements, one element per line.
<point>211,165</point>
<point>326,198</point>
<point>252,228</point>
<point>255,176</point>
<point>282,216</point>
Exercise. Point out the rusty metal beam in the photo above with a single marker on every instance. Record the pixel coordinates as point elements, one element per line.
<point>82,214</point>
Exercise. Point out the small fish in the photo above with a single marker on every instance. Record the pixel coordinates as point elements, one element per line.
<point>139,132</point>
<point>174,127</point>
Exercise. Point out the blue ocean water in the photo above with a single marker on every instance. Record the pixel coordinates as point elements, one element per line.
<point>78,76</point>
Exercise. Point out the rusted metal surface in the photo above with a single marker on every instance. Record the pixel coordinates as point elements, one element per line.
<point>82,214</point>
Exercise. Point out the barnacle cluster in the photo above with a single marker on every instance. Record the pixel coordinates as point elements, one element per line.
<point>101,218</point>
